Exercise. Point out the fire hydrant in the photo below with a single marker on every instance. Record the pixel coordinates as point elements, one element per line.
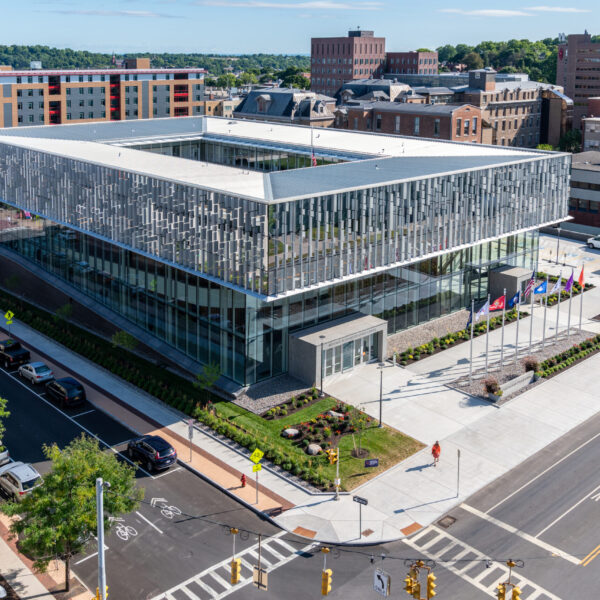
<point>243,480</point>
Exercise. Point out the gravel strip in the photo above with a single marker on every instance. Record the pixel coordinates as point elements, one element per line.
<point>264,395</point>
<point>512,369</point>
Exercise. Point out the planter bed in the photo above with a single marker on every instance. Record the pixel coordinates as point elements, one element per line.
<point>570,357</point>
<point>292,405</point>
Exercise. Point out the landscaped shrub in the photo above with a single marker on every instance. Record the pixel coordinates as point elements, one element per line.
<point>531,363</point>
<point>491,385</point>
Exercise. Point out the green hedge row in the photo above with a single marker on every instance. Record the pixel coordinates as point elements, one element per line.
<point>568,357</point>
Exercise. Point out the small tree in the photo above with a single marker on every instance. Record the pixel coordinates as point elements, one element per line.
<point>207,377</point>
<point>63,313</point>
<point>358,421</point>
<point>58,517</point>
<point>122,339</point>
<point>4,414</point>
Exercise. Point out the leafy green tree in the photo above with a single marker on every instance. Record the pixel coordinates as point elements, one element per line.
<point>247,78</point>
<point>210,82</point>
<point>571,141</point>
<point>446,53</point>
<point>544,147</point>
<point>227,80</point>
<point>122,339</point>
<point>424,50</point>
<point>358,421</point>
<point>63,313</point>
<point>59,516</point>
<point>207,378</point>
<point>4,414</point>
<point>473,61</point>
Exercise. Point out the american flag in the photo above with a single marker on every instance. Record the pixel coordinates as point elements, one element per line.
<point>530,285</point>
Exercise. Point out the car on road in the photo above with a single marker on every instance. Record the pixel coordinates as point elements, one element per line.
<point>4,455</point>
<point>153,451</point>
<point>594,242</point>
<point>12,354</point>
<point>18,479</point>
<point>66,390</point>
<point>36,372</point>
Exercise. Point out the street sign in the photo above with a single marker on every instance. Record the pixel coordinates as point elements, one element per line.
<point>382,582</point>
<point>360,500</point>
<point>260,578</point>
<point>256,468</point>
<point>256,455</point>
<point>8,315</point>
<point>371,462</point>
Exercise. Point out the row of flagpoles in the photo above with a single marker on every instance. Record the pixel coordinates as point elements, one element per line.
<point>518,299</point>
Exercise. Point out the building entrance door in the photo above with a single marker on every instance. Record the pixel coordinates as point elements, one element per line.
<point>348,356</point>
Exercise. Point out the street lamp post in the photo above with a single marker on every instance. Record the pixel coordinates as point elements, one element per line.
<point>381,367</point>
<point>557,242</point>
<point>322,393</point>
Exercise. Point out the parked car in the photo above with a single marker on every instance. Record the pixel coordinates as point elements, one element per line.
<point>18,479</point>
<point>154,452</point>
<point>36,372</point>
<point>4,455</point>
<point>66,390</point>
<point>594,242</point>
<point>13,354</point>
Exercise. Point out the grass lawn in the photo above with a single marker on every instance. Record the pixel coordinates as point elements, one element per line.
<point>388,445</point>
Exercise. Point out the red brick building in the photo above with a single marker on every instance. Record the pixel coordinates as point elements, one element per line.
<point>417,63</point>
<point>336,60</point>
<point>458,123</point>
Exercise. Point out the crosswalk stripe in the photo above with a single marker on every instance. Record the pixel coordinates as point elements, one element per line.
<point>203,585</point>
<point>220,580</point>
<point>189,594</point>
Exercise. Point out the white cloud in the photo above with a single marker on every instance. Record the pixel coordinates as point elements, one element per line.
<point>146,14</point>
<point>558,9</point>
<point>487,12</point>
<point>310,4</point>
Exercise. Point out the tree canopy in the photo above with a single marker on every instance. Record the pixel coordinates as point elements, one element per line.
<point>4,414</point>
<point>59,516</point>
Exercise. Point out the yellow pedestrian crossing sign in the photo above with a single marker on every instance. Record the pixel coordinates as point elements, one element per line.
<point>256,455</point>
<point>8,315</point>
<point>256,468</point>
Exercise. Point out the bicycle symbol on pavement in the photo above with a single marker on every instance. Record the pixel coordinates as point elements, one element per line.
<point>123,531</point>
<point>166,510</point>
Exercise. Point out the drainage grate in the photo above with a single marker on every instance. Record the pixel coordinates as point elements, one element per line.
<point>446,522</point>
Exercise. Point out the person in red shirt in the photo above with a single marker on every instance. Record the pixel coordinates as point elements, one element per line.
<point>436,450</point>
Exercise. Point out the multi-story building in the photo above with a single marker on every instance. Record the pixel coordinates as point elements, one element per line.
<point>156,228</point>
<point>590,126</point>
<point>584,202</point>
<point>415,62</point>
<point>578,73</point>
<point>461,123</point>
<point>336,60</point>
<point>38,97</point>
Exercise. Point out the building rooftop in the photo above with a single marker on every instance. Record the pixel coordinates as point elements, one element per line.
<point>587,161</point>
<point>380,159</point>
<point>407,107</point>
<point>119,71</point>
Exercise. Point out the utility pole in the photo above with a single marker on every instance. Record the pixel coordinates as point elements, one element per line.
<point>100,526</point>
<point>381,366</point>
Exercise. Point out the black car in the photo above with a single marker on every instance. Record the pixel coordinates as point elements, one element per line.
<point>13,354</point>
<point>67,391</point>
<point>152,451</point>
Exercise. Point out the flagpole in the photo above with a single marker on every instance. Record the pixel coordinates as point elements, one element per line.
<point>545,310</point>
<point>502,342</point>
<point>487,336</point>
<point>531,319</point>
<point>570,302</point>
<point>518,321</point>
<point>581,301</point>
<point>471,350</point>
<point>558,306</point>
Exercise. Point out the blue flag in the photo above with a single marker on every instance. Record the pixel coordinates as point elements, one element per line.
<point>542,288</point>
<point>514,300</point>
<point>470,319</point>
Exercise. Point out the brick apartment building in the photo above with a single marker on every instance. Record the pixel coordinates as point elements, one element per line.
<point>459,123</point>
<point>417,63</point>
<point>590,126</point>
<point>578,72</point>
<point>584,200</point>
<point>335,60</point>
<point>38,97</point>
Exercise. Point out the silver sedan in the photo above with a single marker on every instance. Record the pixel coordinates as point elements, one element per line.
<point>36,372</point>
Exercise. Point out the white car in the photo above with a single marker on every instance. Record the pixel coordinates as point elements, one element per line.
<point>594,242</point>
<point>18,479</point>
<point>36,372</point>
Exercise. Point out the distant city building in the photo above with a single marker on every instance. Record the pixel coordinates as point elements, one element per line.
<point>590,126</point>
<point>584,201</point>
<point>577,71</point>
<point>418,63</point>
<point>336,60</point>
<point>287,105</point>
<point>42,97</point>
<point>460,123</point>
<point>372,89</point>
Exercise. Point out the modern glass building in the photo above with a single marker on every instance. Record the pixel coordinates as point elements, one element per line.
<point>219,238</point>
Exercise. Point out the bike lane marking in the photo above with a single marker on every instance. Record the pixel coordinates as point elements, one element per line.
<point>139,514</point>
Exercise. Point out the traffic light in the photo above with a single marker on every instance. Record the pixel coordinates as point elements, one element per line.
<point>416,590</point>
<point>408,584</point>
<point>501,592</point>
<point>431,585</point>
<point>516,593</point>
<point>326,582</point>
<point>236,567</point>
<point>332,456</point>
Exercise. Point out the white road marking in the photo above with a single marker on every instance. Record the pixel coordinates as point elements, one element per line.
<point>139,514</point>
<point>167,472</point>
<point>87,412</point>
<point>489,510</point>
<point>530,538</point>
<point>64,414</point>
<point>466,571</point>
<point>119,444</point>
<point>568,511</point>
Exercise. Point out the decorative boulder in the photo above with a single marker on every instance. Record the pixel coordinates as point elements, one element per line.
<point>314,449</point>
<point>290,433</point>
<point>334,414</point>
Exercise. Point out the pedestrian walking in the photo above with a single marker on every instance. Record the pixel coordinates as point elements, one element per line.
<point>436,450</point>
<point>243,480</point>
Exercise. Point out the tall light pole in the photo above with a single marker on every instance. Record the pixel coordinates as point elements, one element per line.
<point>557,242</point>
<point>100,485</point>
<point>322,392</point>
<point>381,367</point>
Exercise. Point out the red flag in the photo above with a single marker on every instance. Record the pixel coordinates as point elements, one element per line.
<point>580,280</point>
<point>498,303</point>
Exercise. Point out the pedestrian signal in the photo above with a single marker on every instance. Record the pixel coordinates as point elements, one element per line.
<point>326,582</point>
<point>431,585</point>
<point>236,567</point>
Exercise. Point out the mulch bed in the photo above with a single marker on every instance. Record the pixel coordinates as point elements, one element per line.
<point>292,405</point>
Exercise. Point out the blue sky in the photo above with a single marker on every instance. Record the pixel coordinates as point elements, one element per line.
<point>282,26</point>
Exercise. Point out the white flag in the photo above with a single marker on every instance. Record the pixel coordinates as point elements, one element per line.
<point>557,285</point>
<point>484,310</point>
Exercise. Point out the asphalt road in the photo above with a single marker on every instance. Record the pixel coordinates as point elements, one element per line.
<point>545,514</point>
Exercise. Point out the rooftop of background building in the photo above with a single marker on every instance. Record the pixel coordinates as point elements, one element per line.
<point>587,161</point>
